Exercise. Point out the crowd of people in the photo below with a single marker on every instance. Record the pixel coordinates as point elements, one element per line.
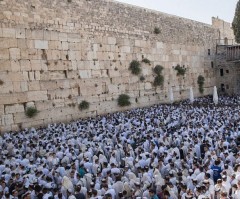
<point>178,151</point>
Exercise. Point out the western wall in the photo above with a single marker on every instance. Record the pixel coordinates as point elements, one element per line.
<point>54,54</point>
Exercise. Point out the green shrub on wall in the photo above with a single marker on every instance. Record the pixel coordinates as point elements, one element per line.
<point>158,69</point>
<point>31,112</point>
<point>157,30</point>
<point>83,105</point>
<point>135,67</point>
<point>201,81</point>
<point>124,100</point>
<point>158,81</point>
<point>180,70</point>
<point>147,61</point>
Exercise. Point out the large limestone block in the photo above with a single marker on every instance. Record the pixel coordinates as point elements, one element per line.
<point>48,85</point>
<point>7,119</point>
<point>96,73</point>
<point>9,32</point>
<point>5,65</point>
<point>148,86</point>
<point>24,86</point>
<point>16,108</point>
<point>114,73</point>
<point>20,33</point>
<point>63,37</point>
<point>7,87</point>
<point>8,43</point>
<point>33,86</point>
<point>112,88</point>
<point>36,95</point>
<point>85,74</point>
<point>15,65</point>
<point>41,44</point>
<point>112,40</point>
<point>13,98</point>
<point>36,34</point>
<point>125,49</point>
<point>4,54</point>
<point>14,53</point>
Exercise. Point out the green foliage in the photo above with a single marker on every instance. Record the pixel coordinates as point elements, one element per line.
<point>200,82</point>
<point>158,81</point>
<point>157,30</point>
<point>142,78</point>
<point>158,69</point>
<point>83,105</point>
<point>147,61</point>
<point>180,70</point>
<point>123,100</point>
<point>236,23</point>
<point>135,67</point>
<point>31,112</point>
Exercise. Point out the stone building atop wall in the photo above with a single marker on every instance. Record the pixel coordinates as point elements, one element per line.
<point>227,59</point>
<point>55,54</point>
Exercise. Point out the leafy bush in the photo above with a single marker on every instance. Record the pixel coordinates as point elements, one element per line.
<point>135,67</point>
<point>201,81</point>
<point>158,81</point>
<point>147,61</point>
<point>158,69</point>
<point>31,112</point>
<point>142,78</point>
<point>123,100</point>
<point>157,30</point>
<point>83,105</point>
<point>180,70</point>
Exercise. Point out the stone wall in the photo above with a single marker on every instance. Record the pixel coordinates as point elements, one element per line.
<point>226,35</point>
<point>54,54</point>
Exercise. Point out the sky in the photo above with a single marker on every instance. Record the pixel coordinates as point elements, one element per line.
<point>198,10</point>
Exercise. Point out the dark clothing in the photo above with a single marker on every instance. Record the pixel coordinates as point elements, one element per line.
<point>79,196</point>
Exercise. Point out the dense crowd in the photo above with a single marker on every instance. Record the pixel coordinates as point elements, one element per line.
<point>178,151</point>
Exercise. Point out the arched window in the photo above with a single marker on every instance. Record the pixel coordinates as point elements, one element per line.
<point>225,41</point>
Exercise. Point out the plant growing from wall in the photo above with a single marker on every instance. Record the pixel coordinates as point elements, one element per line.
<point>147,61</point>
<point>159,79</point>
<point>135,67</point>
<point>180,70</point>
<point>157,30</point>
<point>158,69</point>
<point>84,105</point>
<point>123,100</point>
<point>200,82</point>
<point>31,112</point>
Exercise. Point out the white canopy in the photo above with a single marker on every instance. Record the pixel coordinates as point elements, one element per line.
<point>191,96</point>
<point>215,95</point>
<point>171,98</point>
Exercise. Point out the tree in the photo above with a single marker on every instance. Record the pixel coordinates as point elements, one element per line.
<point>236,23</point>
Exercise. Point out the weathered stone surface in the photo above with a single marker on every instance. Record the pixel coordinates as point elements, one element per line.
<point>54,59</point>
<point>41,44</point>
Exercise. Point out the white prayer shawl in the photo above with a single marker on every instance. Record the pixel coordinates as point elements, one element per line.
<point>67,183</point>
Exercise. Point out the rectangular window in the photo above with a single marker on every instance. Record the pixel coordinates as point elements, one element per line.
<point>212,65</point>
<point>221,72</point>
<point>222,88</point>
<point>209,52</point>
<point>227,71</point>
